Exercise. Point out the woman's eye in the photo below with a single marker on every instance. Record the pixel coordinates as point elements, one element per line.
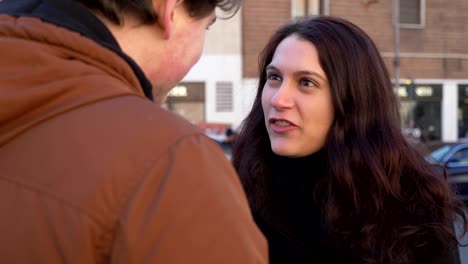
<point>273,77</point>
<point>307,83</point>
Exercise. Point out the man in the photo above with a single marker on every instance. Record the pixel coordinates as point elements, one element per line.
<point>91,171</point>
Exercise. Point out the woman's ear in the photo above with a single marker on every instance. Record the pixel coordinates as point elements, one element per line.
<point>165,12</point>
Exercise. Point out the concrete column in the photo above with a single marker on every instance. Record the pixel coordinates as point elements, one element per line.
<point>449,111</point>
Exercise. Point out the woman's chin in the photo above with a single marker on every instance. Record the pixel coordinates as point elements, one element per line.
<point>284,152</point>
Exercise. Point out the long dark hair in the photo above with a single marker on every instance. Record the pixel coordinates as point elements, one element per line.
<point>383,201</point>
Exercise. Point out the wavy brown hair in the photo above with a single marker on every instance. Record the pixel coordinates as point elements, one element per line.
<point>382,201</point>
<point>113,9</point>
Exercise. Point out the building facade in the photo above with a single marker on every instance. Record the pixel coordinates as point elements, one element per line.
<point>433,60</point>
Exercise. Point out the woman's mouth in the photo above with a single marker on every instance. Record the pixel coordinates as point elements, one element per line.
<point>281,125</point>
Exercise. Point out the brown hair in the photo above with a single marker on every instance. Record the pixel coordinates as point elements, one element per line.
<point>113,9</point>
<point>382,199</point>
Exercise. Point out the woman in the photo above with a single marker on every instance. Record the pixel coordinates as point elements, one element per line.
<point>329,176</point>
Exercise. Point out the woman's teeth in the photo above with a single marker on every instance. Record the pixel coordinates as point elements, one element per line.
<point>282,123</point>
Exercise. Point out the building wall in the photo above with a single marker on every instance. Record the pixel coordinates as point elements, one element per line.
<point>260,18</point>
<point>247,93</point>
<point>438,50</point>
<point>224,36</point>
<point>218,68</point>
<point>221,61</point>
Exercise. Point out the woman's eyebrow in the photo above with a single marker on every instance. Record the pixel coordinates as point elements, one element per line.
<point>296,73</point>
<point>271,67</point>
<point>310,73</point>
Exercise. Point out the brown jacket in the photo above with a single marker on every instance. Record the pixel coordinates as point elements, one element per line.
<point>93,172</point>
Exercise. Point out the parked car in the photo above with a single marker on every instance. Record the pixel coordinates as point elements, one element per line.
<point>454,158</point>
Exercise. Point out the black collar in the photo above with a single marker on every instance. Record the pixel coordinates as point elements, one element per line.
<point>75,17</point>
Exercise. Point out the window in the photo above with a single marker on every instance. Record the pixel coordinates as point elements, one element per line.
<point>463,111</point>
<point>224,97</point>
<point>301,8</point>
<point>460,156</point>
<point>420,110</point>
<point>412,13</point>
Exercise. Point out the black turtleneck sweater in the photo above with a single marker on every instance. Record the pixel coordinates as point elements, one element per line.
<point>290,220</point>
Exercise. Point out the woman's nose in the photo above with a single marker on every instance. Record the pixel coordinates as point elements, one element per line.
<point>283,98</point>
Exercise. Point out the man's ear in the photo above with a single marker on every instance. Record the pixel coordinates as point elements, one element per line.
<point>165,11</point>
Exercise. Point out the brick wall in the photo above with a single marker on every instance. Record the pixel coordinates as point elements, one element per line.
<point>445,32</point>
<point>260,19</point>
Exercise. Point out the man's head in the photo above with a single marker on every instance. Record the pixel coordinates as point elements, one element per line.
<point>164,37</point>
<point>114,9</point>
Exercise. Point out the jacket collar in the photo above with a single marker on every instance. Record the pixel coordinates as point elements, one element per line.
<point>75,17</point>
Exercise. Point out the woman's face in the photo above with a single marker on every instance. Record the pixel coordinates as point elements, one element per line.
<point>296,99</point>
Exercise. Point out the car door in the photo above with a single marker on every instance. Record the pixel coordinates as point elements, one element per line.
<point>456,164</point>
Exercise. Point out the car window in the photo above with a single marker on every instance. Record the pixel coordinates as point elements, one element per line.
<point>460,156</point>
<point>439,153</point>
